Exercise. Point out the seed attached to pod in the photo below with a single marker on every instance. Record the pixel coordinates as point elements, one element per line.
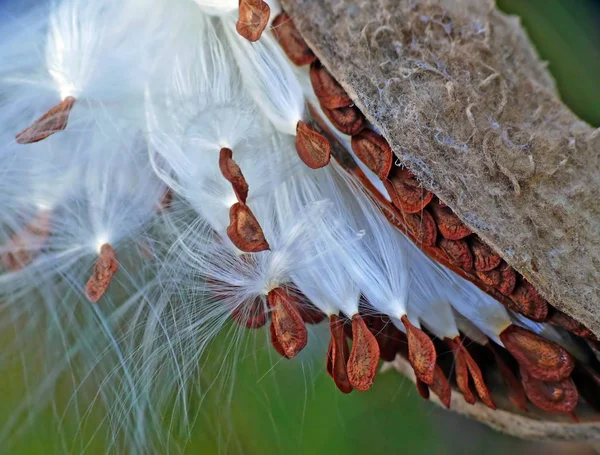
<point>51,122</point>
<point>374,151</point>
<point>244,231</point>
<point>406,192</point>
<point>560,319</point>
<point>348,120</point>
<point>503,278</point>
<point>421,352</point>
<point>559,397</point>
<point>23,247</point>
<point>330,93</point>
<point>338,355</point>
<point>275,341</point>
<point>422,227</point>
<point>422,388</point>
<point>461,371</point>
<point>313,149</point>
<point>543,359</point>
<point>233,174</point>
<point>516,393</point>
<point>485,258</point>
<point>364,357</point>
<point>449,225</point>
<point>291,41</point>
<point>478,381</point>
<point>253,18</point>
<point>252,317</point>
<point>104,269</point>
<point>441,386</point>
<point>529,303</point>
<point>458,251</point>
<point>287,326</point>
<point>310,314</point>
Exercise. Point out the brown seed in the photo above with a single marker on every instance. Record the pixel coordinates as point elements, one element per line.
<point>233,174</point>
<point>485,258</point>
<point>422,227</point>
<point>330,93</point>
<point>555,397</point>
<point>441,386</point>
<point>364,357</point>
<point>478,381</point>
<point>406,192</point>
<point>104,269</point>
<point>244,231</point>
<point>516,393</point>
<point>503,278</point>
<point>421,352</point>
<point>253,18</point>
<point>374,151</point>
<point>389,338</point>
<point>529,303</point>
<point>338,355</point>
<point>449,225</point>
<point>51,122</point>
<point>24,246</point>
<point>349,120</point>
<point>543,359</point>
<point>310,313</point>
<point>251,317</point>
<point>423,389</point>
<point>312,148</point>
<point>291,41</point>
<point>461,371</point>
<point>458,251</point>
<point>275,341</point>
<point>287,325</point>
<point>560,319</point>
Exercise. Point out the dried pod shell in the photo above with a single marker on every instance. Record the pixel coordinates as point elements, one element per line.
<point>104,269</point>
<point>338,355</point>
<point>374,151</point>
<point>330,93</point>
<point>348,120</point>
<point>422,227</point>
<point>313,149</point>
<point>458,251</point>
<point>449,225</point>
<point>364,357</point>
<point>253,18</point>
<point>421,352</point>
<point>244,231</point>
<point>543,359</point>
<point>233,174</point>
<point>529,303</point>
<point>484,257</point>
<point>554,397</point>
<point>287,325</point>
<point>51,122</point>
<point>291,42</point>
<point>503,278</point>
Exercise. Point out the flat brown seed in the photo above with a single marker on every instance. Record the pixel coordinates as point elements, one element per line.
<point>543,359</point>
<point>348,120</point>
<point>310,314</point>
<point>24,246</point>
<point>458,251</point>
<point>233,174</point>
<point>516,393</point>
<point>406,193</point>
<point>291,41</point>
<point>449,225</point>
<point>423,389</point>
<point>275,341</point>
<point>330,93</point>
<point>339,355</point>
<point>485,258</point>
<point>565,321</point>
<point>529,303</point>
<point>374,151</point>
<point>253,18</point>
<point>287,325</point>
<point>461,371</point>
<point>478,381</point>
<point>252,317</point>
<point>104,269</point>
<point>422,227</point>
<point>364,357</point>
<point>244,231</point>
<point>441,386</point>
<point>51,122</point>
<point>312,148</point>
<point>503,278</point>
<point>555,397</point>
<point>421,352</point>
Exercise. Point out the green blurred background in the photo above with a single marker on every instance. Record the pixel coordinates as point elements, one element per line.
<point>292,407</point>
